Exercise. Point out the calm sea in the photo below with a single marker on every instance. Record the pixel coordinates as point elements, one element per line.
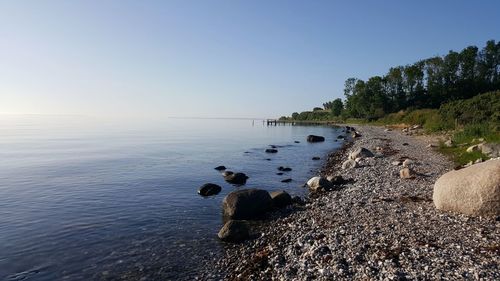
<point>83,200</point>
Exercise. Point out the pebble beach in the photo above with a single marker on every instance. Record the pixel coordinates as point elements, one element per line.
<point>376,226</point>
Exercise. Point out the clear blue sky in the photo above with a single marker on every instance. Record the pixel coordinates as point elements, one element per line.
<point>216,58</point>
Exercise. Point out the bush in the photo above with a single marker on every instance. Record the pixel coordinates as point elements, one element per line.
<point>484,108</point>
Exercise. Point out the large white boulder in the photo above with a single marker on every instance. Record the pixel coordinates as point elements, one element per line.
<point>474,190</point>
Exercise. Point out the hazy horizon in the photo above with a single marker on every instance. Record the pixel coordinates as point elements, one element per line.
<point>215,59</point>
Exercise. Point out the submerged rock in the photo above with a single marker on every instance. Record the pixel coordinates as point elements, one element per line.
<point>473,191</point>
<point>236,178</point>
<point>316,158</point>
<point>271,150</point>
<point>209,189</point>
<point>284,169</point>
<point>286,180</point>
<point>220,168</point>
<point>234,231</point>
<point>246,204</point>
<point>313,138</point>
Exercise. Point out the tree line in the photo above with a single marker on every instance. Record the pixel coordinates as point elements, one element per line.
<point>427,83</point>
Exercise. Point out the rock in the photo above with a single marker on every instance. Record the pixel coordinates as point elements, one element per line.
<point>340,137</point>
<point>236,178</point>
<point>405,143</point>
<point>268,159</point>
<point>415,127</point>
<point>234,231</point>
<point>349,164</point>
<point>491,150</point>
<point>296,141</point>
<point>479,160</point>
<point>406,173</point>
<point>448,143</point>
<point>316,158</point>
<point>356,135</point>
<point>358,160</point>
<point>396,163</point>
<point>271,150</point>
<point>318,184</point>
<point>220,168</point>
<point>227,173</point>
<point>405,130</point>
<point>286,180</point>
<point>379,149</point>
<point>430,145</point>
<point>336,180</point>
<point>407,163</point>
<point>313,138</point>
<point>279,174</point>
<point>387,130</point>
<point>246,204</point>
<point>473,191</point>
<point>281,198</point>
<point>284,169</point>
<point>473,148</point>
<point>273,146</point>
<point>209,189</point>
<point>361,152</point>
<point>297,200</point>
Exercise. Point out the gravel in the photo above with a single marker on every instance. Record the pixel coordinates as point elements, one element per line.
<point>375,227</point>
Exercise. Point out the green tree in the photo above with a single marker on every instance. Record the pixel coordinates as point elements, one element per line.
<point>337,107</point>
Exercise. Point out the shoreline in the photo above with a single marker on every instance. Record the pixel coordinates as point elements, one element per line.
<point>378,226</point>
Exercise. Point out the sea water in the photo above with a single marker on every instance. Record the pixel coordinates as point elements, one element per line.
<point>82,199</point>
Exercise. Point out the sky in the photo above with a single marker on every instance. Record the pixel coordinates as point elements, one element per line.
<point>210,58</point>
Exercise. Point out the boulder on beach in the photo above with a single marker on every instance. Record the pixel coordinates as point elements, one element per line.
<point>473,191</point>
<point>361,153</point>
<point>313,138</point>
<point>356,134</point>
<point>235,178</point>
<point>246,204</point>
<point>220,168</point>
<point>490,149</point>
<point>336,180</point>
<point>319,184</point>
<point>271,150</point>
<point>209,189</point>
<point>406,173</point>
<point>234,231</point>
<point>281,198</point>
<point>349,164</point>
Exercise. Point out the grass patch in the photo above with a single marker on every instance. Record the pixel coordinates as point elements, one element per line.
<point>475,131</point>
<point>460,156</point>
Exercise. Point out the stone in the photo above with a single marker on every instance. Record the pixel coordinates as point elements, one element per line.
<point>209,189</point>
<point>473,191</point>
<point>356,134</point>
<point>236,178</point>
<point>313,138</point>
<point>316,158</point>
<point>406,173</point>
<point>430,145</point>
<point>396,163</point>
<point>234,231</point>
<point>340,137</point>
<point>491,150</point>
<point>361,152</point>
<point>349,164</point>
<point>286,180</point>
<point>271,150</point>
<point>448,143</point>
<point>336,180</point>
<point>387,130</point>
<point>318,184</point>
<point>284,169</point>
<point>473,148</point>
<point>246,204</point>
<point>281,198</point>
<point>407,163</point>
<point>279,174</point>
<point>296,141</point>
<point>220,168</point>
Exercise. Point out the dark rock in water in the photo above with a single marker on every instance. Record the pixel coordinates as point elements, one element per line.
<point>237,178</point>
<point>313,138</point>
<point>281,198</point>
<point>284,169</point>
<point>296,141</point>
<point>227,173</point>
<point>356,135</point>
<point>220,168</point>
<point>316,158</point>
<point>268,159</point>
<point>246,152</point>
<point>336,140</point>
<point>246,204</point>
<point>280,174</point>
<point>340,137</point>
<point>286,180</point>
<point>405,143</point>
<point>209,189</point>
<point>273,146</point>
<point>234,231</point>
<point>271,150</point>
